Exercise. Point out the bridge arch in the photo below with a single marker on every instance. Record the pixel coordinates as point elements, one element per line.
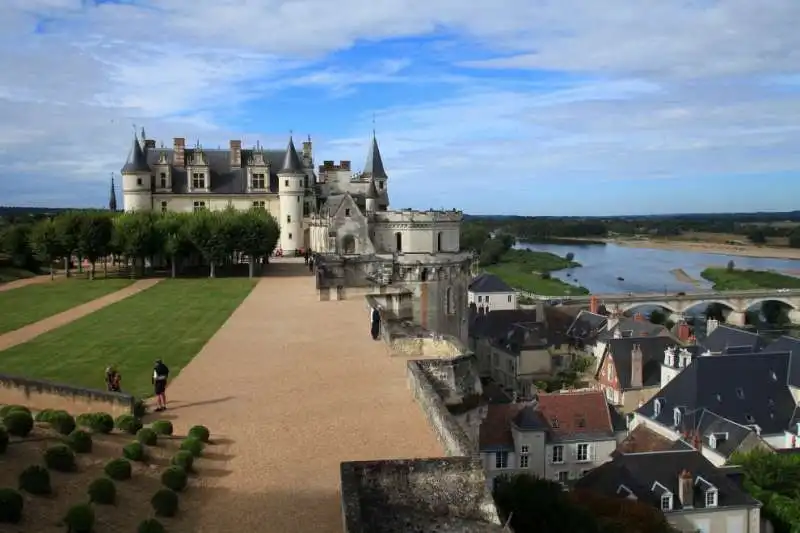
<point>785,301</point>
<point>705,303</point>
<point>630,306</point>
<point>627,306</point>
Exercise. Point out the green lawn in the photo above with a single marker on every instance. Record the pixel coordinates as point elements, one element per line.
<point>529,271</point>
<point>172,321</point>
<point>30,304</point>
<point>738,280</point>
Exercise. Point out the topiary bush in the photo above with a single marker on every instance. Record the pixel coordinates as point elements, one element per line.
<point>165,502</point>
<point>139,408</point>
<point>183,459</point>
<point>151,525</point>
<point>18,423</point>
<point>80,518</point>
<point>147,436</point>
<point>59,458</point>
<point>11,504</point>
<point>80,441</point>
<point>174,478</point>
<point>35,480</point>
<point>3,439</point>
<point>134,451</point>
<point>103,491</point>
<point>8,408</point>
<point>62,421</point>
<point>162,427</point>
<point>97,422</point>
<point>128,424</point>
<point>193,446</point>
<point>44,415</point>
<point>118,469</point>
<point>200,433</point>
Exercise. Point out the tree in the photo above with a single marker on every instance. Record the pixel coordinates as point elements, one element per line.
<point>570,256</point>
<point>207,231</point>
<point>68,226</point>
<point>473,236</point>
<point>176,245</point>
<point>794,238</point>
<point>615,514</point>
<point>258,235</point>
<point>94,237</point>
<point>137,237</point>
<point>15,241</point>
<point>757,236</point>
<point>731,266</point>
<point>46,242</point>
<point>657,316</point>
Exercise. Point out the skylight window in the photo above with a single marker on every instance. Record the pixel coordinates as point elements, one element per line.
<point>740,393</point>
<point>773,375</point>
<point>750,419</point>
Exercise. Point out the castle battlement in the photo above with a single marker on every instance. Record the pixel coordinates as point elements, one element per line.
<point>411,216</point>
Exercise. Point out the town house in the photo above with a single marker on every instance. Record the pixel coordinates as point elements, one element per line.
<point>490,293</point>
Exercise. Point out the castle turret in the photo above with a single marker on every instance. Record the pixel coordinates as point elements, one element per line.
<point>374,171</point>
<point>136,186</point>
<point>290,193</point>
<point>372,197</point>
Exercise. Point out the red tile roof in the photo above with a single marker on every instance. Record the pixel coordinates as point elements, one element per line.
<point>496,427</point>
<point>643,439</point>
<point>575,413</point>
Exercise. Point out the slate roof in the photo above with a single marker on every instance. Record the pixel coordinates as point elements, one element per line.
<point>643,439</point>
<point>291,161</point>
<point>489,283</point>
<point>791,345</point>
<point>587,326</point>
<point>744,389</point>
<point>640,471</point>
<point>137,162</point>
<point>374,166</point>
<point>497,324</point>
<point>630,327</point>
<point>724,337</point>
<point>652,356</point>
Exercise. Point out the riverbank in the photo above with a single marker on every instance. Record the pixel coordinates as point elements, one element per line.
<point>742,250</point>
<point>529,271</point>
<point>725,279</point>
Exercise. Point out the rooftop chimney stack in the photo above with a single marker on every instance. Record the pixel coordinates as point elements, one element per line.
<point>636,366</point>
<point>711,325</point>
<point>236,154</point>
<point>178,152</point>
<point>686,489</point>
<point>684,332</point>
<point>594,305</point>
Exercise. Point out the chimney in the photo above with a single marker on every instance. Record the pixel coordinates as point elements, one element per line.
<point>149,144</point>
<point>684,332</point>
<point>686,489</point>
<point>711,325</point>
<point>307,148</point>
<point>236,154</point>
<point>178,154</point>
<point>345,165</point>
<point>697,442</point>
<point>636,367</point>
<point>593,305</point>
<point>540,311</point>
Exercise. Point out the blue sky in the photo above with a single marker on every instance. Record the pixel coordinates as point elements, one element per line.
<point>568,107</point>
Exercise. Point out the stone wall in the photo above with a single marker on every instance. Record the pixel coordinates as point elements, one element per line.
<point>442,494</point>
<point>39,394</point>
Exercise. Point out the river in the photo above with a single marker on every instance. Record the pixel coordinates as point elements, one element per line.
<point>646,270</point>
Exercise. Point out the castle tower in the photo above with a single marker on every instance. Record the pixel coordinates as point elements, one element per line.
<point>136,187</point>
<point>112,199</point>
<point>372,198</point>
<point>290,194</point>
<point>374,171</point>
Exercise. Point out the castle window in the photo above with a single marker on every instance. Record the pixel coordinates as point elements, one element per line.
<point>163,207</point>
<point>288,219</point>
<point>347,212</point>
<point>305,182</point>
<point>199,206</point>
<point>163,180</point>
<point>439,242</point>
<point>306,209</point>
<point>285,183</point>
<point>380,185</point>
<point>138,181</point>
<point>290,236</point>
<point>398,242</point>
<point>449,304</point>
<point>259,204</point>
<point>349,244</point>
<point>198,180</point>
<point>259,181</point>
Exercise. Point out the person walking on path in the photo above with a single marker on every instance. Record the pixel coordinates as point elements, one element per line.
<point>305,255</point>
<point>160,375</point>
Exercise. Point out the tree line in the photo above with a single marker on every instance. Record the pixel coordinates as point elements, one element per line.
<point>211,238</point>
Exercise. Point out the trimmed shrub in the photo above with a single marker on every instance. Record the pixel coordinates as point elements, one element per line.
<point>134,451</point>
<point>151,525</point>
<point>80,518</point>
<point>59,458</point>
<point>165,502</point>
<point>193,446</point>
<point>97,422</point>
<point>44,415</point>
<point>62,421</point>
<point>174,478</point>
<point>80,441</point>
<point>147,436</point>
<point>11,504</point>
<point>128,424</point>
<point>162,427</point>
<point>8,408</point>
<point>3,439</point>
<point>183,459</point>
<point>200,433</point>
<point>118,469</point>
<point>103,491</point>
<point>35,480</point>
<point>139,408</point>
<point>18,423</point>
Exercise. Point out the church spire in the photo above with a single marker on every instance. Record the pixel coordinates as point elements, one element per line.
<point>112,199</point>
<point>374,165</point>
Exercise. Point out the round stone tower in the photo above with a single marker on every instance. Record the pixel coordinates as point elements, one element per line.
<point>136,187</point>
<point>290,193</point>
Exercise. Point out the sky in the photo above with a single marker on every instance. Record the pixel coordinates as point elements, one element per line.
<point>525,107</point>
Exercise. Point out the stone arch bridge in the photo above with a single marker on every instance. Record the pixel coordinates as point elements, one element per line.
<point>736,302</point>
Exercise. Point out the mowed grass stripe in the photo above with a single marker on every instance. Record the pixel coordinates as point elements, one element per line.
<point>172,321</point>
<point>26,305</point>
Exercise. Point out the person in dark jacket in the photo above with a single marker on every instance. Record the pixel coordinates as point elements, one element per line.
<point>160,375</point>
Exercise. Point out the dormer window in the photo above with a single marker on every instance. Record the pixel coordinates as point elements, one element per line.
<point>198,180</point>
<point>259,181</point>
<point>163,180</point>
<point>711,498</point>
<point>665,496</point>
<point>666,502</point>
<point>676,416</point>
<point>656,407</point>
<point>624,491</point>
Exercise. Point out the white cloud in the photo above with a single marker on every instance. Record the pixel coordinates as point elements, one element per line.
<point>663,89</point>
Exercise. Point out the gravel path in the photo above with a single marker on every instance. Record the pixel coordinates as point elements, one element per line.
<point>291,387</point>
<point>17,283</point>
<point>26,333</point>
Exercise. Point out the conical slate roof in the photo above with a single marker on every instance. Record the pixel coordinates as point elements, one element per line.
<point>374,164</point>
<point>372,191</point>
<point>291,161</point>
<point>137,162</point>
